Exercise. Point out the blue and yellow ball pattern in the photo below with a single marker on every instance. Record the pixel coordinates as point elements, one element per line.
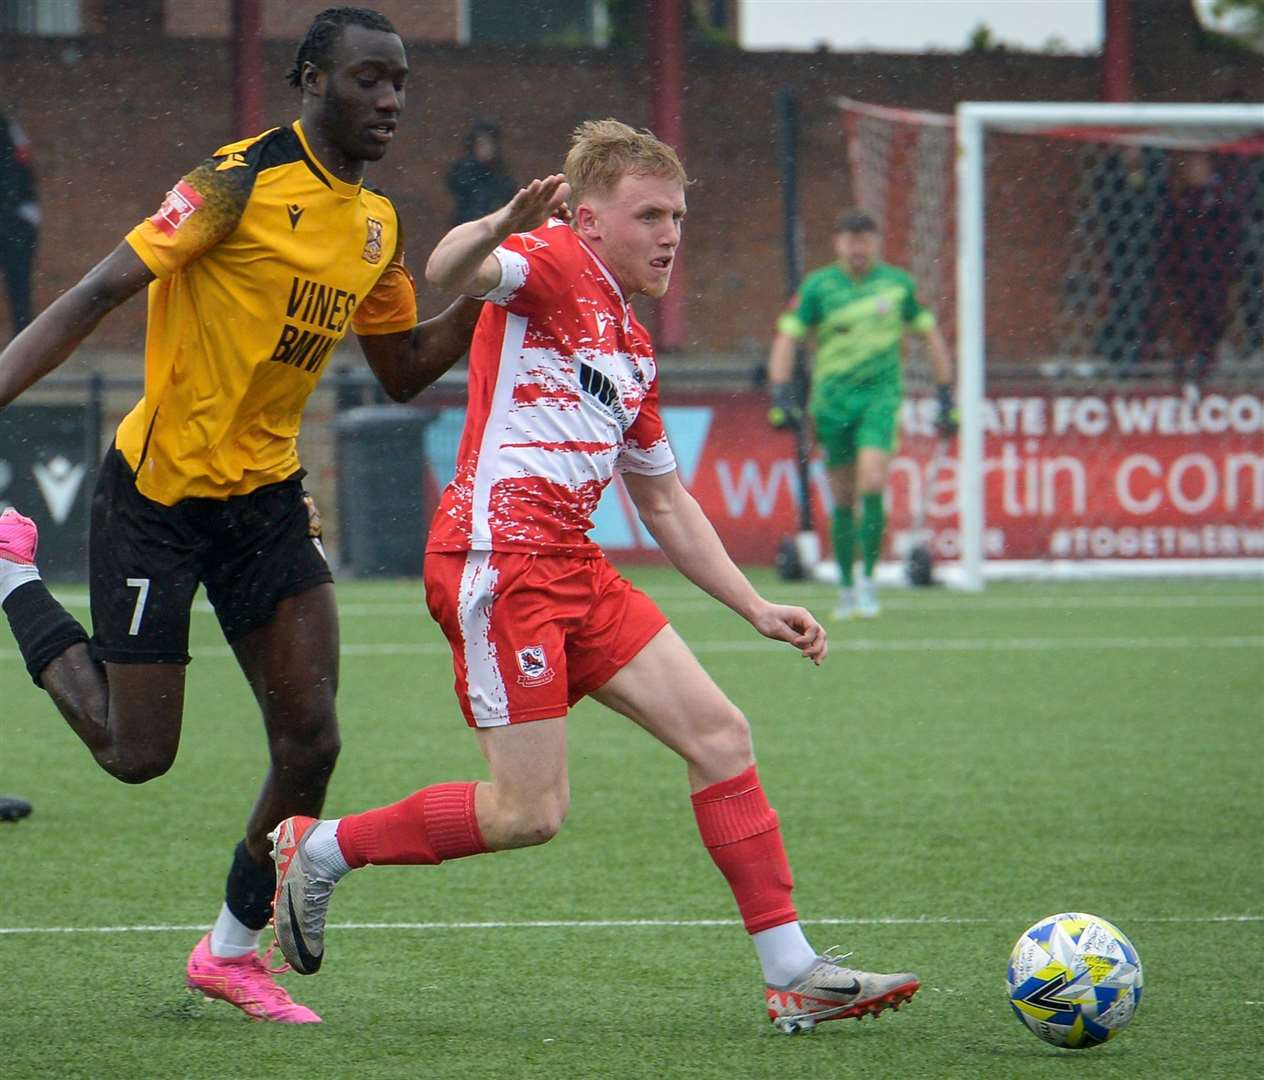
<point>1074,980</point>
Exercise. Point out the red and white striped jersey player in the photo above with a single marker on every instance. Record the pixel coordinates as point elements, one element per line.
<point>563,393</point>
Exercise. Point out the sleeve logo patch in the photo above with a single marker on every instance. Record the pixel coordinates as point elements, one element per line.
<point>531,242</point>
<point>179,205</point>
<point>372,252</point>
<point>233,161</point>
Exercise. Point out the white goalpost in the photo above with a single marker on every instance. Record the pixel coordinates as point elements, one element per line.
<point>1187,128</point>
<point>1099,269</point>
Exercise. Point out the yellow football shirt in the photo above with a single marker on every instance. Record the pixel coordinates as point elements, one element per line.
<point>264,261</point>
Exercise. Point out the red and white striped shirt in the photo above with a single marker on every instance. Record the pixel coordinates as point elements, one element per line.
<point>563,391</point>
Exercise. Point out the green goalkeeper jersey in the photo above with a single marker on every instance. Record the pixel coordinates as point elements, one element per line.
<point>859,325</point>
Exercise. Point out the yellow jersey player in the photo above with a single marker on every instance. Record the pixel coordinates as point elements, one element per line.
<point>258,262</point>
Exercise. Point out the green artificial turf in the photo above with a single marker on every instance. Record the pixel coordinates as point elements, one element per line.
<point>958,769</point>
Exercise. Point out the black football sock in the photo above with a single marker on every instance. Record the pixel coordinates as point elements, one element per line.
<point>249,890</point>
<point>43,628</point>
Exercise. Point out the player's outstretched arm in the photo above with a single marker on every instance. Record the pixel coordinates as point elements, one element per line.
<point>462,261</point>
<point>406,363</point>
<point>57,331</point>
<point>674,518</point>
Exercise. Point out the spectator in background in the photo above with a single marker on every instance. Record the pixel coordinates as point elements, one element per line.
<point>480,182</point>
<point>19,230</point>
<point>19,219</point>
<point>1199,264</point>
<point>1128,184</point>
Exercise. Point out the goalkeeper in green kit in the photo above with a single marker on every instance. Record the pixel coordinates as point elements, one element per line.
<point>858,309</point>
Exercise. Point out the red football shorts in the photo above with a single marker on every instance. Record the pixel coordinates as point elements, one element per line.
<point>532,634</point>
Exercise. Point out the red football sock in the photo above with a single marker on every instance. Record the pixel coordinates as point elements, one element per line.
<point>429,826</point>
<point>741,832</point>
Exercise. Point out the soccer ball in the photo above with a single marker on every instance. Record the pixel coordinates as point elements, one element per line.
<point>1074,980</point>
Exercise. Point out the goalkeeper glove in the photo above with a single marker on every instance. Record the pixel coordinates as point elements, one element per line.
<point>946,423</point>
<point>785,411</point>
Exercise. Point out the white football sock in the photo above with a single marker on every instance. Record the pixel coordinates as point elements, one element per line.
<point>784,953</point>
<point>231,937</point>
<point>14,574</point>
<point>321,848</point>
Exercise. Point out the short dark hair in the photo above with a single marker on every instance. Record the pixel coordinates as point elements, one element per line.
<point>483,127</point>
<point>321,37</point>
<point>855,220</point>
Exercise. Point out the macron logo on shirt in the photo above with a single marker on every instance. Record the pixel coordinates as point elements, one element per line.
<point>181,203</point>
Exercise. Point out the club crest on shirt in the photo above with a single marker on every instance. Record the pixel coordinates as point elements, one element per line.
<point>534,666</point>
<point>372,252</point>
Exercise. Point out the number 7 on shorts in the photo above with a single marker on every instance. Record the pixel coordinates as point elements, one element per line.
<point>141,584</point>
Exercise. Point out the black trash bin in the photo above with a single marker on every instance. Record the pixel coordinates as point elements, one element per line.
<point>382,495</point>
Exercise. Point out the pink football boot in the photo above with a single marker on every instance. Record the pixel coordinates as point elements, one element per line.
<point>18,537</point>
<point>246,982</point>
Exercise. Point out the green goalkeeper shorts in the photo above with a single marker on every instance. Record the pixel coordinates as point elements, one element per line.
<point>848,417</point>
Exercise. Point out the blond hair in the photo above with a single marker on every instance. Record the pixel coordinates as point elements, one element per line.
<point>603,152</point>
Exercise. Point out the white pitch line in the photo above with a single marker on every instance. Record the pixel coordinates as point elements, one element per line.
<point>838,644</point>
<point>629,924</point>
<point>1243,641</point>
<point>951,605</point>
<point>690,600</point>
<point>948,602</point>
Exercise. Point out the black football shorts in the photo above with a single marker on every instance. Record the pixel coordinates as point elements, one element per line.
<point>146,561</point>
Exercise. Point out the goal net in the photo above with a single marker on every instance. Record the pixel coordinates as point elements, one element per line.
<point>1099,272</point>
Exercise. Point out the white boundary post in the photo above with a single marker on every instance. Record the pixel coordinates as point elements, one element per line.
<point>973,119</point>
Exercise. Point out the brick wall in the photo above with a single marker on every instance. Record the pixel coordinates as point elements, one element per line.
<point>434,20</point>
<point>112,131</point>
